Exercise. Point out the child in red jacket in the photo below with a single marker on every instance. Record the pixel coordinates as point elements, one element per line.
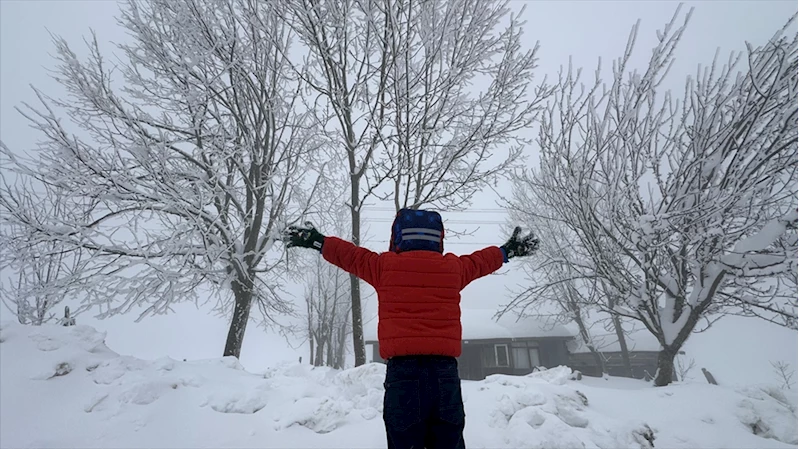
<point>419,329</point>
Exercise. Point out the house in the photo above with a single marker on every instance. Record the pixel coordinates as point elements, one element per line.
<point>516,346</point>
<point>642,346</point>
<point>506,346</point>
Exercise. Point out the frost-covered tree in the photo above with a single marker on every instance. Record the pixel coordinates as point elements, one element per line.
<point>684,207</point>
<point>553,290</point>
<point>345,67</point>
<point>328,311</point>
<point>683,367</point>
<point>554,284</point>
<point>328,306</point>
<point>460,97</point>
<point>785,374</point>
<point>38,273</point>
<point>193,146</point>
<point>395,87</point>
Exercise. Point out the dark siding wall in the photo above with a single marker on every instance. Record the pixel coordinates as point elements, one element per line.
<point>553,353</point>
<point>376,352</point>
<point>470,365</point>
<point>644,364</point>
<point>584,362</point>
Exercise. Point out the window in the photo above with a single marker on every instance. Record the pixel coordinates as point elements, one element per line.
<point>534,359</point>
<point>501,352</point>
<point>521,358</point>
<point>525,355</point>
<point>521,355</point>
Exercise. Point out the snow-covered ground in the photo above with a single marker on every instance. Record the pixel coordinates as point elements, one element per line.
<point>62,387</point>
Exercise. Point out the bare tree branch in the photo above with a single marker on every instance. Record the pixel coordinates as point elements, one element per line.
<point>194,159</point>
<point>683,209</point>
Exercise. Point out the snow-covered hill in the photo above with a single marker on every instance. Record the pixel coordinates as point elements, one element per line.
<point>62,387</point>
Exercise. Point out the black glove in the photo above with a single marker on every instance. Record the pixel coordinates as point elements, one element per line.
<point>520,247</point>
<point>307,237</point>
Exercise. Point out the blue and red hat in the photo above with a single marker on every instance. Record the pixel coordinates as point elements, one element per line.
<point>417,230</point>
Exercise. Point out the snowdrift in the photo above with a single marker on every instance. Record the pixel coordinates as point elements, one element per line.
<point>63,387</point>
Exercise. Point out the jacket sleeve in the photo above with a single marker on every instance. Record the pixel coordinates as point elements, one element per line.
<point>361,262</point>
<point>481,263</point>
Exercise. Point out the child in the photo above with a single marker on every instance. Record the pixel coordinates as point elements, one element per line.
<point>419,329</point>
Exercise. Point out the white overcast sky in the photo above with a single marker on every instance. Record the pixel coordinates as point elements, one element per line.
<point>584,30</point>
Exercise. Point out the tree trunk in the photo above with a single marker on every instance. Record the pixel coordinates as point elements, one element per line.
<point>617,325</point>
<point>355,285</point>
<point>342,340</point>
<point>357,325</point>
<point>586,337</point>
<point>241,314</point>
<point>665,372</point>
<point>329,361</point>
<point>320,353</point>
<point>625,353</point>
<point>310,343</point>
<point>41,312</point>
<point>309,323</point>
<point>22,312</point>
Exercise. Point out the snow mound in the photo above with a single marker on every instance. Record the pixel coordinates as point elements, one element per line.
<point>541,411</point>
<point>764,410</point>
<point>63,387</point>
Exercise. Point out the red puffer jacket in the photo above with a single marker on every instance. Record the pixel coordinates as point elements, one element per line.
<point>418,293</point>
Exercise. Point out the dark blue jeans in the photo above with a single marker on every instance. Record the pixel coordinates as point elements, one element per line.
<point>423,405</point>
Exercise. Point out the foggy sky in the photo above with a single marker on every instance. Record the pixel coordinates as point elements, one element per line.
<point>584,30</point>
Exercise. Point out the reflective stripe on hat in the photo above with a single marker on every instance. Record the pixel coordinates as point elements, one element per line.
<point>421,237</point>
<point>432,235</point>
<point>434,232</point>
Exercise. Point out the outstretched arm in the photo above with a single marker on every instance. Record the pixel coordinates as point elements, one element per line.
<point>480,263</point>
<point>353,259</point>
<point>486,261</point>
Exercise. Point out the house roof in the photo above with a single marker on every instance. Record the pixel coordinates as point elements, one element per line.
<point>480,324</point>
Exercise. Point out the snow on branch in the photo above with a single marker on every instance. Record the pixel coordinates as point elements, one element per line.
<point>193,149</point>
<point>684,207</point>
